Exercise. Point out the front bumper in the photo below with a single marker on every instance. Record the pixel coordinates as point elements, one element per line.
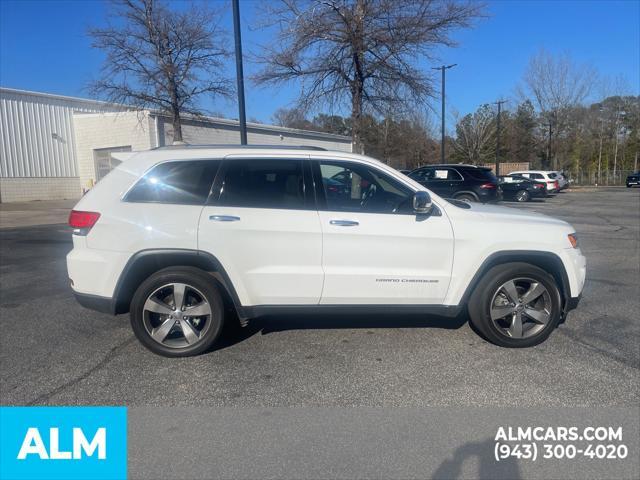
<point>570,303</point>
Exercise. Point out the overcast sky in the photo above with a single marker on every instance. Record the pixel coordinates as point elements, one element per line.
<point>43,47</point>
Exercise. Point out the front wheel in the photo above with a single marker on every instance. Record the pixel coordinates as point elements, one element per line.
<point>177,312</point>
<point>522,196</point>
<point>515,305</point>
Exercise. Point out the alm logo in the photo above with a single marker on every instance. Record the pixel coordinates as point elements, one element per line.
<point>68,443</point>
<point>33,445</point>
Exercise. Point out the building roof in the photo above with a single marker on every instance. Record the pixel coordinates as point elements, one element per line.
<point>110,107</point>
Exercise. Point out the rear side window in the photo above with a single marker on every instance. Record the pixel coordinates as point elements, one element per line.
<point>552,174</point>
<point>481,174</point>
<point>537,175</point>
<point>263,183</point>
<point>184,183</point>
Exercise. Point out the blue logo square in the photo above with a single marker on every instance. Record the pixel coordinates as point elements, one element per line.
<point>63,443</point>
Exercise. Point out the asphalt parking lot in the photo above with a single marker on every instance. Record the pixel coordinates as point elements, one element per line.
<point>52,351</point>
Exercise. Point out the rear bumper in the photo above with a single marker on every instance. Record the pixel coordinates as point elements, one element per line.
<point>541,192</point>
<point>95,302</point>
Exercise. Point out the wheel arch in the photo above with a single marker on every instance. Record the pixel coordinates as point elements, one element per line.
<point>146,262</point>
<point>548,261</point>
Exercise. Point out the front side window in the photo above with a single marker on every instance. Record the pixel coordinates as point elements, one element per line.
<point>353,187</point>
<point>263,183</point>
<point>445,174</point>
<point>421,175</point>
<point>186,183</point>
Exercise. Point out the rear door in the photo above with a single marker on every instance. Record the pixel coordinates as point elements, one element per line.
<point>261,223</point>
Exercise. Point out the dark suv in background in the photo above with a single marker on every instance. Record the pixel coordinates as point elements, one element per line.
<point>462,182</point>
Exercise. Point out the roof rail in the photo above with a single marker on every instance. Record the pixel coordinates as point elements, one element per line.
<point>248,147</point>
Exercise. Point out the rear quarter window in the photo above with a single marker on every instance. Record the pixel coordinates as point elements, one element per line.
<point>179,182</point>
<point>481,174</point>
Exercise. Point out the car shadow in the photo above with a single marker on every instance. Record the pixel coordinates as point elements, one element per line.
<point>532,200</point>
<point>233,333</point>
<point>483,453</point>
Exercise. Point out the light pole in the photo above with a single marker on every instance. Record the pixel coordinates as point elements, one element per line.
<point>499,103</point>
<point>239,72</point>
<point>442,69</point>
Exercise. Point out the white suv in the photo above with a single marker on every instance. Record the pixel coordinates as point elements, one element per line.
<point>549,178</point>
<point>176,236</point>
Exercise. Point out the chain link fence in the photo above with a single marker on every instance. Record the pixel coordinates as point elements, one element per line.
<point>605,178</point>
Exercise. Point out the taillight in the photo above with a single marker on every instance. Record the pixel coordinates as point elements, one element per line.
<point>82,222</point>
<point>488,186</point>
<point>556,184</point>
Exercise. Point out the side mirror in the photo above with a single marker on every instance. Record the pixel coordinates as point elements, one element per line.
<point>422,202</point>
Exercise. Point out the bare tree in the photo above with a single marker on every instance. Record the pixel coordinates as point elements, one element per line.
<point>360,54</point>
<point>556,84</point>
<point>160,58</point>
<point>476,135</point>
<point>294,118</point>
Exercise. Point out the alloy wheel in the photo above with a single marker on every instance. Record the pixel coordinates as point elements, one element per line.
<point>177,315</point>
<point>521,308</point>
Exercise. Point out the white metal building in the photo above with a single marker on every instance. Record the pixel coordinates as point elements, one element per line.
<point>54,147</point>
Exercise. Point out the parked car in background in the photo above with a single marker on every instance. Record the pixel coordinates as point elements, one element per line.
<point>633,179</point>
<point>404,171</point>
<point>562,181</point>
<point>521,189</point>
<point>462,182</point>
<point>553,185</point>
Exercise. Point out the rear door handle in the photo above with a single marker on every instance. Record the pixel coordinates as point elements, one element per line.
<point>223,218</point>
<point>344,223</point>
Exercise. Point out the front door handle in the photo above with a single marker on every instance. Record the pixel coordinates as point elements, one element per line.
<point>344,223</point>
<point>223,218</point>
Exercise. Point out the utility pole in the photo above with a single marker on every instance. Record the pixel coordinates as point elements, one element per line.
<point>442,69</point>
<point>239,72</point>
<point>499,103</point>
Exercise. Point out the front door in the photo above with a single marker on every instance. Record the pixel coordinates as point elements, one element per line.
<point>262,225</point>
<point>376,250</point>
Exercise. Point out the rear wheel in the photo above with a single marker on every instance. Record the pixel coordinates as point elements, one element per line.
<point>515,305</point>
<point>522,196</point>
<point>466,197</point>
<point>177,312</point>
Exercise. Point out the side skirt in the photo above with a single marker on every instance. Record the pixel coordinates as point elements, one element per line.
<point>256,311</point>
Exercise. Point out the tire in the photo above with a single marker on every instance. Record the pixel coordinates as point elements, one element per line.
<point>466,197</point>
<point>522,196</point>
<point>491,296</point>
<point>628,186</point>
<point>175,332</point>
